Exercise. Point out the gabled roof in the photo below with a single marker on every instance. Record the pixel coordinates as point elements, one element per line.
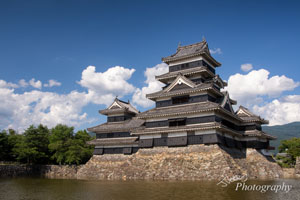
<point>192,50</point>
<point>113,141</point>
<point>219,81</point>
<point>226,100</point>
<point>179,110</point>
<point>248,116</point>
<point>184,72</point>
<point>159,130</point>
<point>180,79</point>
<point>119,106</point>
<point>122,126</point>
<point>260,134</point>
<point>184,91</point>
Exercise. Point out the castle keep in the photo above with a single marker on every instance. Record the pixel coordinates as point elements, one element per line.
<point>190,109</point>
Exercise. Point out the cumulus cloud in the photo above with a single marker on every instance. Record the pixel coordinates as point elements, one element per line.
<point>246,67</point>
<point>52,83</point>
<point>139,96</point>
<point>36,84</point>
<point>215,51</point>
<point>280,111</point>
<point>4,84</point>
<point>23,83</point>
<point>104,86</point>
<point>19,110</point>
<point>249,89</point>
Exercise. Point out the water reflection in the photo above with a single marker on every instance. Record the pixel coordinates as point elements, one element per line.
<point>47,189</point>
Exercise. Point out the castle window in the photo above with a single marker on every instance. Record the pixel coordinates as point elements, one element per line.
<point>177,122</point>
<point>180,100</point>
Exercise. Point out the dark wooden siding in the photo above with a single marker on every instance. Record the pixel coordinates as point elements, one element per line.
<point>180,86</point>
<point>158,142</point>
<point>210,139</point>
<point>119,118</point>
<point>98,151</point>
<point>191,65</point>
<point>127,150</point>
<point>113,151</point>
<point>192,99</point>
<point>177,141</point>
<point>112,135</point>
<point>227,107</point>
<point>194,120</point>
<point>157,124</point>
<point>146,143</point>
<point>195,139</point>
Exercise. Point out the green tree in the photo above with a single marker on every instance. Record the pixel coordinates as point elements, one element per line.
<point>59,142</point>
<point>292,148</point>
<point>34,145</point>
<point>79,152</point>
<point>4,150</point>
<point>68,148</point>
<point>14,140</point>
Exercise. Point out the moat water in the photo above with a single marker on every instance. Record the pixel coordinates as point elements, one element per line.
<point>48,189</point>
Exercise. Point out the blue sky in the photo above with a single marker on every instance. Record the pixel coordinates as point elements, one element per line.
<point>58,40</point>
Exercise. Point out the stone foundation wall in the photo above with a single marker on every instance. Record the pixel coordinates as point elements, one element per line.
<point>47,171</point>
<point>195,162</point>
<point>297,167</point>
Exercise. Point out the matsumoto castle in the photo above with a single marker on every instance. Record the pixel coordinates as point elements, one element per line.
<point>190,109</point>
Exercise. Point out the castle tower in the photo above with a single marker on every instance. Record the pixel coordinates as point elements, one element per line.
<point>190,109</point>
<point>114,137</point>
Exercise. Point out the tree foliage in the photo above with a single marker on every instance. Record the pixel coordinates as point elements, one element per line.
<point>292,148</point>
<point>39,145</point>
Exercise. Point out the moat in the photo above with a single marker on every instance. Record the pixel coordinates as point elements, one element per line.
<point>48,189</point>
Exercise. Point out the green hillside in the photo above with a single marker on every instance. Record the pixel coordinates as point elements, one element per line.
<point>283,132</point>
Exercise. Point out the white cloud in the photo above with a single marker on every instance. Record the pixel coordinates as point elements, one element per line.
<point>19,110</point>
<point>280,111</point>
<point>52,83</point>
<point>215,51</point>
<point>23,83</point>
<point>139,96</point>
<point>104,86</point>
<point>249,89</point>
<point>36,84</point>
<point>246,67</point>
<point>4,84</point>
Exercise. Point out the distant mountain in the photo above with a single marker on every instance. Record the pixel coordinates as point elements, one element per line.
<point>282,132</point>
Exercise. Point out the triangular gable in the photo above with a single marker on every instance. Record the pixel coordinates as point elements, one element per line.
<point>244,111</point>
<point>115,105</point>
<point>178,81</point>
<point>226,102</point>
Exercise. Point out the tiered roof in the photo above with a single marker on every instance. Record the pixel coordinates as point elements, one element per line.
<point>184,91</point>
<point>122,126</point>
<point>188,51</point>
<point>261,134</point>
<point>185,72</point>
<point>114,141</point>
<point>248,116</point>
<point>178,110</point>
<point>119,106</point>
<point>160,130</point>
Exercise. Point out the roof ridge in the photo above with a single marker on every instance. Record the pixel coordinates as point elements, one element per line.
<point>191,45</point>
